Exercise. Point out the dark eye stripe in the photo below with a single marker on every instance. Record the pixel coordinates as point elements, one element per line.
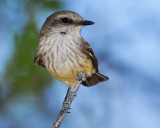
<point>67,21</point>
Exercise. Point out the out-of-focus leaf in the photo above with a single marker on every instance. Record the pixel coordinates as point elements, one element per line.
<point>21,72</point>
<point>52,4</point>
<point>32,6</point>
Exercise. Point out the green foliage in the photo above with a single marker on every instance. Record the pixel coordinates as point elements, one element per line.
<point>21,71</point>
<point>43,5</point>
<point>22,75</point>
<point>51,4</point>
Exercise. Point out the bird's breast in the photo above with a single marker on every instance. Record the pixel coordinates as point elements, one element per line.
<point>64,59</point>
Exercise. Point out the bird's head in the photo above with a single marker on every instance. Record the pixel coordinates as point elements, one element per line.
<point>64,22</point>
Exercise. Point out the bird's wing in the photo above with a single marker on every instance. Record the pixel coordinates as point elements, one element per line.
<point>38,60</point>
<point>89,52</point>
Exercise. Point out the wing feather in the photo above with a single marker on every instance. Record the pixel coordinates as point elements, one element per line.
<point>88,51</point>
<point>38,60</point>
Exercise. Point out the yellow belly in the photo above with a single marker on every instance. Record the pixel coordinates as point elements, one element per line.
<point>67,72</point>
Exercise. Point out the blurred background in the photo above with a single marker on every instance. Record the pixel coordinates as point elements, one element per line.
<point>126,41</point>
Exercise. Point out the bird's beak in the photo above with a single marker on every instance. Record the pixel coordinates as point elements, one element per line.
<point>85,22</point>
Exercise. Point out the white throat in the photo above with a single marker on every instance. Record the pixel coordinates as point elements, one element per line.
<point>67,31</point>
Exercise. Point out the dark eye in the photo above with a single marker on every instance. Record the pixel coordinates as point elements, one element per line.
<point>65,20</point>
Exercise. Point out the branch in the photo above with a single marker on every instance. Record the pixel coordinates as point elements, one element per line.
<point>68,100</point>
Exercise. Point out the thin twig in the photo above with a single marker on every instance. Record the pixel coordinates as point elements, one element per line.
<point>68,100</point>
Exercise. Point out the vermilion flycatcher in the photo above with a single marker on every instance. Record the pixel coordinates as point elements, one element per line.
<point>64,52</point>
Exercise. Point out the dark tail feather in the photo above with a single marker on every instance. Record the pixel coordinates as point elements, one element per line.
<point>94,79</point>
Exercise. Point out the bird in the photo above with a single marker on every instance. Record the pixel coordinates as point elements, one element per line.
<point>64,52</point>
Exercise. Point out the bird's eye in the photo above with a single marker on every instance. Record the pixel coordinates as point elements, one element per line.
<point>65,20</point>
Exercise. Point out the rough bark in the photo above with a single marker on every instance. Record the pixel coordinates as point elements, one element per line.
<point>68,100</point>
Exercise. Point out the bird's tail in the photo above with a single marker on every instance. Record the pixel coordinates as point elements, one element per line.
<point>94,79</point>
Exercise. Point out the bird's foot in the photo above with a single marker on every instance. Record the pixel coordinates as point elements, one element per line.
<point>80,77</point>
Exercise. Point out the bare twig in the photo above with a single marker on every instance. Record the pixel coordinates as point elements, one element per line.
<point>68,100</point>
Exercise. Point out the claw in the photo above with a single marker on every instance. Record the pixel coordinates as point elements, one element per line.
<point>80,76</point>
<point>88,75</point>
<point>83,79</point>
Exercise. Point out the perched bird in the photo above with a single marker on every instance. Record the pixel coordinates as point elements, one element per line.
<point>64,52</point>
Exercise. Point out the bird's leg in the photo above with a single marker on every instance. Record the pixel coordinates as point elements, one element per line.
<point>80,77</point>
<point>88,75</point>
<point>83,79</point>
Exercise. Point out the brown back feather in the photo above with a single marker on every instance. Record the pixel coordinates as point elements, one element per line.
<point>89,52</point>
